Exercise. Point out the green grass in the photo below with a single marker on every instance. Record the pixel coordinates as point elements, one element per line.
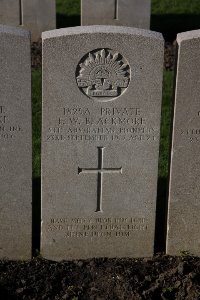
<point>160,7</point>
<point>166,123</point>
<point>68,13</point>
<point>173,16</point>
<point>68,7</point>
<point>36,109</point>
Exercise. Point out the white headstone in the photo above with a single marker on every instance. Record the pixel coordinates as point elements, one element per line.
<point>9,12</point>
<point>101,122</point>
<point>133,13</point>
<point>184,192</point>
<point>35,15</point>
<point>38,16</point>
<point>15,144</point>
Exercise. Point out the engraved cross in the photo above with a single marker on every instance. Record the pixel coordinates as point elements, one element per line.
<point>100,171</point>
<point>116,9</point>
<point>20,12</point>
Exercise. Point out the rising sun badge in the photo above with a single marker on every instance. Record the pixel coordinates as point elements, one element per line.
<point>103,74</point>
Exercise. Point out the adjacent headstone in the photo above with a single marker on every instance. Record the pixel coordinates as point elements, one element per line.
<point>38,16</point>
<point>184,193</point>
<point>133,13</point>
<point>101,121</point>
<point>35,15</point>
<point>9,12</point>
<point>15,144</point>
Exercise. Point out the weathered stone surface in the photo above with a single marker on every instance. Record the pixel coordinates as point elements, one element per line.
<point>38,16</point>
<point>184,193</point>
<point>101,121</point>
<point>133,13</point>
<point>15,144</point>
<point>9,12</point>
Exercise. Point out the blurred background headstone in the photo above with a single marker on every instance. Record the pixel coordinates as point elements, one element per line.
<point>35,15</point>
<point>133,13</point>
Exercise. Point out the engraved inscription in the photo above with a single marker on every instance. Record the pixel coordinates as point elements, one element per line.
<point>8,131</point>
<point>3,116</point>
<point>101,227</point>
<point>192,134</point>
<point>103,74</point>
<point>100,171</point>
<point>78,124</point>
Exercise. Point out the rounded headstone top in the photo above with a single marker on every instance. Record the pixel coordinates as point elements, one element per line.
<point>101,29</point>
<point>188,35</point>
<point>14,31</point>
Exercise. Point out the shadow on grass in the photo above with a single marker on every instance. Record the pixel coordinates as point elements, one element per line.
<point>67,21</point>
<point>170,24</point>
<point>161,215</point>
<point>36,225</point>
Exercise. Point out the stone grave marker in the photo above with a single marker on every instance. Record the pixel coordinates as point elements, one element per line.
<point>38,16</point>
<point>9,12</point>
<point>15,144</point>
<point>100,141</point>
<point>133,13</point>
<point>184,189</point>
<point>35,15</point>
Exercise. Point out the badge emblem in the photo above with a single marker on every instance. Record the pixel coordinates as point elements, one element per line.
<point>103,75</point>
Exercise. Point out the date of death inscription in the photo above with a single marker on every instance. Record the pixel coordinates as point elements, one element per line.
<point>112,227</point>
<point>105,124</point>
<point>8,130</point>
